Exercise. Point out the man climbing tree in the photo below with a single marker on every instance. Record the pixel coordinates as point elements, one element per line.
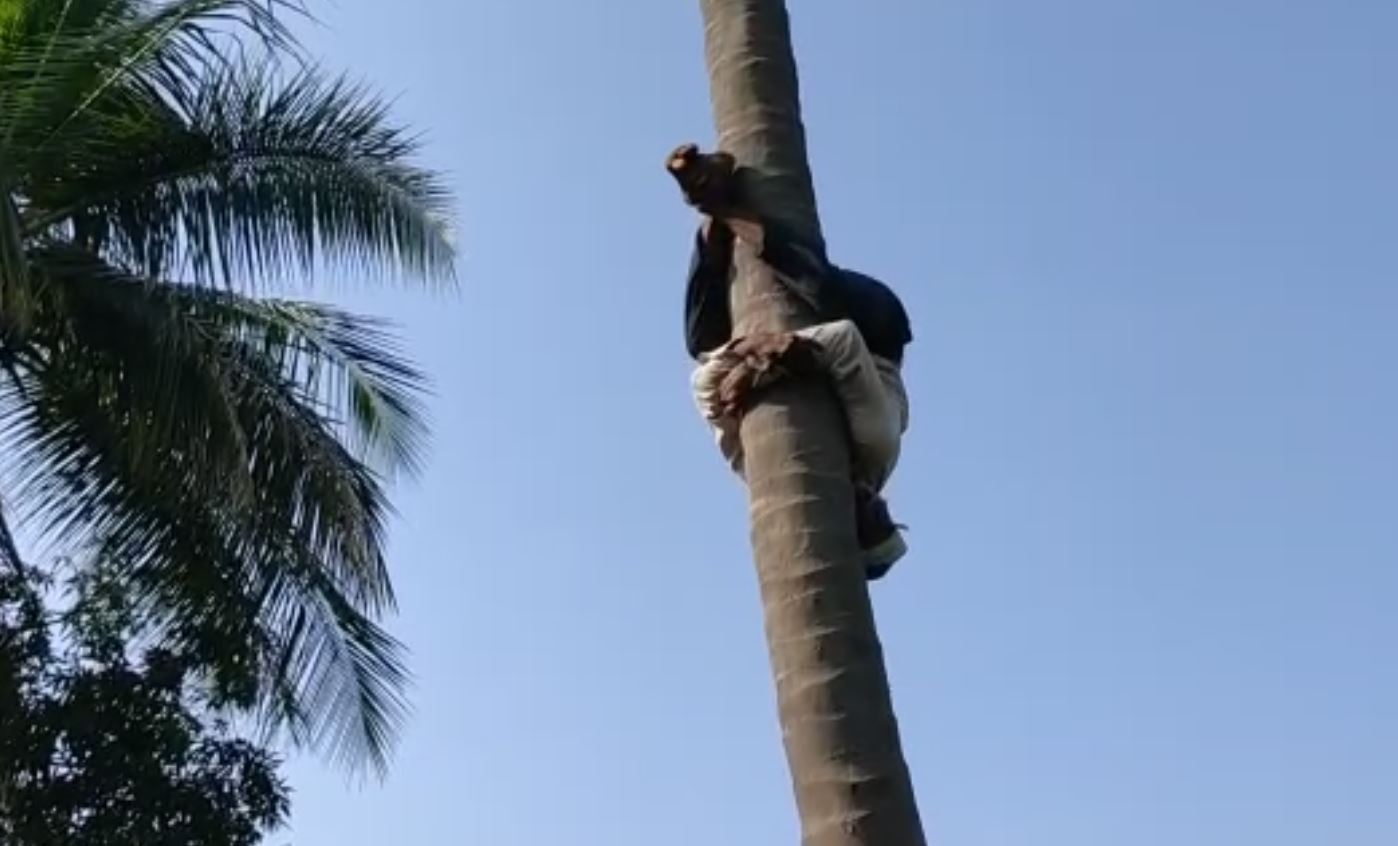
<point>857,343</point>
<point>851,783</point>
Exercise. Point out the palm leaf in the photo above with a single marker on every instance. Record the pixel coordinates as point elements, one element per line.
<point>332,660</point>
<point>171,342</point>
<point>97,451</point>
<point>248,177</point>
<point>351,365</point>
<point>199,566</point>
<point>9,550</point>
<point>14,271</point>
<point>225,453</point>
<point>64,62</point>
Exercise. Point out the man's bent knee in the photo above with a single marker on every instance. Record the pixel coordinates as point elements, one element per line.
<point>836,333</point>
<point>841,347</point>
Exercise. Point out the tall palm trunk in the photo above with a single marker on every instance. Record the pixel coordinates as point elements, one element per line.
<point>841,737</point>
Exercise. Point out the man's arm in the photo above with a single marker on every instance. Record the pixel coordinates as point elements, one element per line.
<point>792,257</point>
<point>708,321</point>
<point>802,268</point>
<point>710,184</point>
<point>833,293</point>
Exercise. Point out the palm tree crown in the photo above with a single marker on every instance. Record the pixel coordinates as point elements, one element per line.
<point>162,164</point>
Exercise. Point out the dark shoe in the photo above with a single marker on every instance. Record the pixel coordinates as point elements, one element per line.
<point>879,537</point>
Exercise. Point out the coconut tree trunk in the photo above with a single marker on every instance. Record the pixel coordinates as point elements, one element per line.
<point>851,782</point>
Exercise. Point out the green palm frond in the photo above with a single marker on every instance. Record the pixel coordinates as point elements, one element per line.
<point>340,678</point>
<point>14,271</point>
<point>210,394</point>
<point>336,678</point>
<point>249,176</point>
<point>224,454</point>
<point>66,62</point>
<point>184,427</point>
<point>346,367</point>
<point>200,567</point>
<point>140,353</point>
<point>10,558</point>
<point>347,364</point>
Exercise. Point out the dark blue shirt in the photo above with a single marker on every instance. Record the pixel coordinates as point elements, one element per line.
<point>831,292</point>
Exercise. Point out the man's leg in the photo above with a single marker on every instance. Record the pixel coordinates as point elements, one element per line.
<point>727,378</point>
<point>876,408</point>
<point>872,394</point>
<point>706,382</point>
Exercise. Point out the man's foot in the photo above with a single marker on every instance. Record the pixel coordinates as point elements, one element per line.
<point>708,180</point>
<point>762,359</point>
<point>879,537</point>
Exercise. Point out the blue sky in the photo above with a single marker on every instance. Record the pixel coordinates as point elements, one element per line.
<point>1150,251</point>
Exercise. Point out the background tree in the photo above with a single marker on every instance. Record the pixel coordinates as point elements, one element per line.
<point>103,743</point>
<point>161,163</point>
<point>842,745</point>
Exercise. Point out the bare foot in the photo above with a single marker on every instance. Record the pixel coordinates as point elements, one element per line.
<point>764,358</point>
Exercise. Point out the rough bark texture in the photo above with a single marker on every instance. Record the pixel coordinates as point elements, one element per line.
<point>841,737</point>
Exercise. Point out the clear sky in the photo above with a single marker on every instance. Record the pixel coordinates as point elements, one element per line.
<point>1151,253</point>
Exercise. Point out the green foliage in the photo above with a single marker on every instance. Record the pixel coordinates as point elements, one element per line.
<point>161,163</point>
<point>106,744</point>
